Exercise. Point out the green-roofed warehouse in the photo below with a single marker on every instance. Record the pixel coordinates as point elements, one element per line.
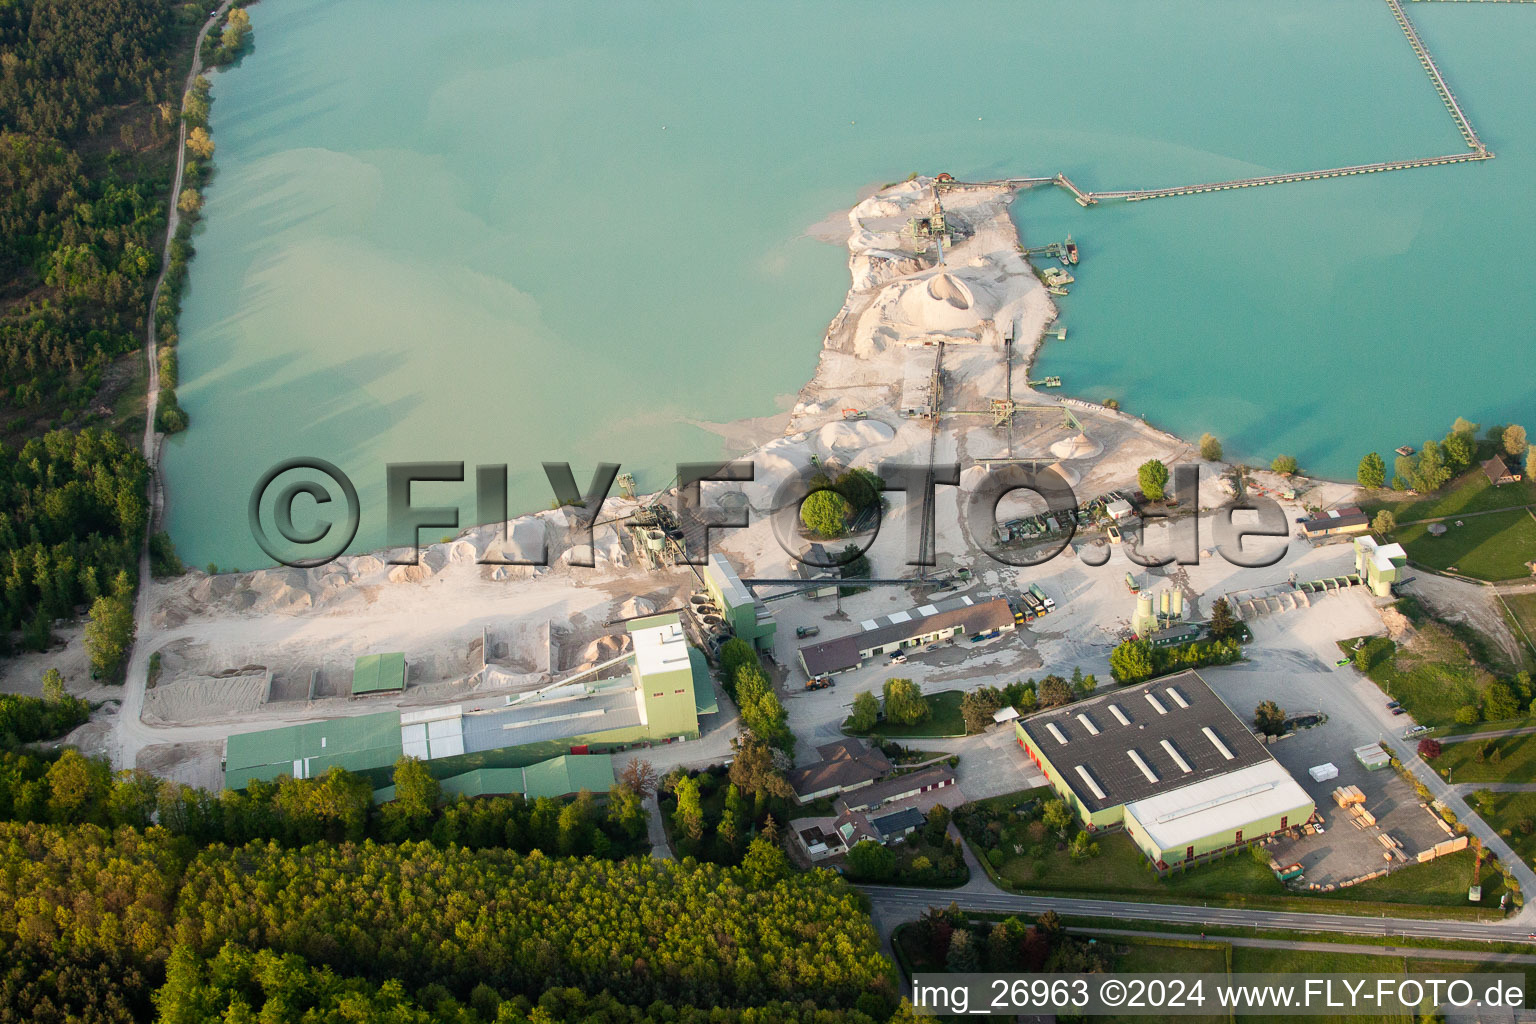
<point>557,777</point>
<point>571,773</point>
<point>668,687</point>
<point>361,743</point>
<point>378,673</point>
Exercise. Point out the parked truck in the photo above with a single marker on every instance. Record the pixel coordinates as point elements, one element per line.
<point>1040,595</point>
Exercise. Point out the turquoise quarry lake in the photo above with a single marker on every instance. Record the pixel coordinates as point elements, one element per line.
<point>516,232</point>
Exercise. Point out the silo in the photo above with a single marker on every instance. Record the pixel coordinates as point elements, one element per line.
<point>1162,603</point>
<point>1178,605</point>
<point>1144,621</point>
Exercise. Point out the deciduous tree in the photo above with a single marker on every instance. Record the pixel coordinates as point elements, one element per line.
<point>1152,475</point>
<point>1513,441</point>
<point>864,713</point>
<point>904,704</point>
<point>825,513</point>
<point>1269,718</point>
<point>1372,472</point>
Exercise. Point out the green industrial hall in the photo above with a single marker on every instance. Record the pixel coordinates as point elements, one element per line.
<point>660,700</point>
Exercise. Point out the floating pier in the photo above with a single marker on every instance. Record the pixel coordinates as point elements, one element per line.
<point>1477,150</point>
<point>1432,69</point>
<point>1137,195</point>
<point>1083,198</point>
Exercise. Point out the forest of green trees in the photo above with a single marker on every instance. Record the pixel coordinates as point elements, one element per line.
<point>72,512</point>
<point>90,101</point>
<point>138,924</point>
<point>124,897</point>
<point>90,94</point>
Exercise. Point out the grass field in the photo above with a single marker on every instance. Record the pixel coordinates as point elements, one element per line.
<point>1516,763</point>
<point>1495,546</point>
<point>1148,956</point>
<point>1299,961</point>
<point>1505,812</point>
<point>1151,955</point>
<point>1120,867</point>
<point>943,720</point>
<point>1439,887</point>
<point>1432,676</point>
<point>1522,608</point>
<point>1470,492</point>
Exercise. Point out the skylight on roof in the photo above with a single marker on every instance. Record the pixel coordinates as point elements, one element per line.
<point>1216,742</point>
<point>1114,709</point>
<point>1156,704</point>
<point>1050,727</point>
<point>1088,781</point>
<point>1146,769</point>
<point>1178,758</point>
<point>1178,698</point>
<point>1087,723</point>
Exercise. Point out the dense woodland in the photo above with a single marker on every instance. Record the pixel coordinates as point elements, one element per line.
<point>124,897</point>
<point>105,925</point>
<point>90,93</point>
<point>90,101</point>
<point>72,512</point>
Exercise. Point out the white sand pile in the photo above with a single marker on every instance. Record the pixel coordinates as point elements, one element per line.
<point>604,648</point>
<point>1079,446</point>
<point>950,289</point>
<point>525,540</point>
<point>634,607</point>
<point>608,547</point>
<point>409,573</point>
<point>1067,473</point>
<point>364,565</point>
<point>214,588</point>
<point>855,434</point>
<point>775,462</point>
<point>463,552</point>
<point>281,590</point>
<point>946,299</point>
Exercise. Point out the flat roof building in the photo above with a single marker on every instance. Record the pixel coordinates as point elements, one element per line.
<point>1379,565</point>
<point>890,633</point>
<point>1168,761</point>
<point>378,673</point>
<point>667,689</point>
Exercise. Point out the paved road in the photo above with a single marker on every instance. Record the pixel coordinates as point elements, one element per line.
<point>656,829</point>
<point>890,905</point>
<point>128,732</point>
